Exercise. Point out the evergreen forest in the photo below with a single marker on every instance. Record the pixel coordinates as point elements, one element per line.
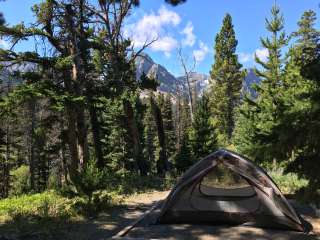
<point>79,130</point>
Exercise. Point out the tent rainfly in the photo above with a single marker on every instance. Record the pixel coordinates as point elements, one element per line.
<point>226,188</point>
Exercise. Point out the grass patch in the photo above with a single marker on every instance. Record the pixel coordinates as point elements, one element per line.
<point>44,205</point>
<point>38,214</point>
<point>55,215</point>
<point>67,204</point>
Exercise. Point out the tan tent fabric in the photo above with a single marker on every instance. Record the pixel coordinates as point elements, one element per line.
<point>224,188</point>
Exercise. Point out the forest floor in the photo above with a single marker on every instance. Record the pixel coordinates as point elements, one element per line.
<point>111,222</point>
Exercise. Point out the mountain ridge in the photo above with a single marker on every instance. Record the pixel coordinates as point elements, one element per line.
<point>168,82</point>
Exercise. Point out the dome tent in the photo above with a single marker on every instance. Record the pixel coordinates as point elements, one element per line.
<point>226,188</point>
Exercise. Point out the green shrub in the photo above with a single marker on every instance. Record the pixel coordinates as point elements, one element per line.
<point>130,183</point>
<point>101,201</point>
<point>89,180</point>
<point>54,181</point>
<point>20,181</point>
<point>40,206</point>
<point>89,183</point>
<point>289,183</point>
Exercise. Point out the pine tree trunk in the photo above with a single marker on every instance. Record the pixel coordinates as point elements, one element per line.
<point>134,133</point>
<point>178,122</point>
<point>230,108</point>
<point>31,106</point>
<point>82,136</point>
<point>64,164</point>
<point>72,143</point>
<point>6,181</point>
<point>162,163</point>
<point>78,148</point>
<point>95,128</point>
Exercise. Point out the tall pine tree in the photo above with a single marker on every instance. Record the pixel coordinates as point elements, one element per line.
<point>298,127</point>
<point>258,116</point>
<point>226,80</point>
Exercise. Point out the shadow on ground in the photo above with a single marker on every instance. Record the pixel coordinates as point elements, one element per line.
<point>103,227</point>
<point>148,230</point>
<point>111,222</point>
<point>200,232</point>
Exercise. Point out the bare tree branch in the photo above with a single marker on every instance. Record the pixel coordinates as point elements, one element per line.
<point>187,82</point>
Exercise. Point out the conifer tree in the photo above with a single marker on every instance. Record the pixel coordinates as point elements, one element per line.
<point>184,157</point>
<point>162,158</point>
<point>307,36</point>
<point>168,124</point>
<point>151,143</point>
<point>66,34</point>
<point>298,128</point>
<point>226,80</point>
<point>185,121</point>
<point>297,90</point>
<point>260,115</point>
<point>150,83</point>
<point>115,139</point>
<point>140,110</point>
<point>203,137</point>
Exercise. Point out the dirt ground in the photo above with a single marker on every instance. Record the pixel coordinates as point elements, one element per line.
<point>104,226</point>
<point>201,232</point>
<point>108,224</point>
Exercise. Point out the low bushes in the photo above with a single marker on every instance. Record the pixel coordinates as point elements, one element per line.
<point>129,183</point>
<point>70,202</point>
<point>37,206</point>
<point>289,183</point>
<point>20,181</point>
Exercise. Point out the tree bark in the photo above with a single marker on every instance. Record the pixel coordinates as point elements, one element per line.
<point>6,171</point>
<point>95,128</point>
<point>189,95</point>
<point>72,143</point>
<point>78,77</point>
<point>134,133</point>
<point>162,163</point>
<point>31,106</point>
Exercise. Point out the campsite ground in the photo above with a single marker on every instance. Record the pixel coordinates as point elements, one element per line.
<point>213,233</point>
<point>111,222</point>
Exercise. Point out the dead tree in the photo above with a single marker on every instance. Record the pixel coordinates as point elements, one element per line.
<point>186,82</point>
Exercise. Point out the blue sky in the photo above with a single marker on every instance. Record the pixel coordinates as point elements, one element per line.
<point>191,26</point>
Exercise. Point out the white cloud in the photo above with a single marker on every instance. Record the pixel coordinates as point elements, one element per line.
<point>167,16</point>
<point>262,54</point>
<point>201,53</point>
<point>152,27</point>
<point>165,44</point>
<point>190,38</point>
<point>4,44</point>
<point>245,57</point>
